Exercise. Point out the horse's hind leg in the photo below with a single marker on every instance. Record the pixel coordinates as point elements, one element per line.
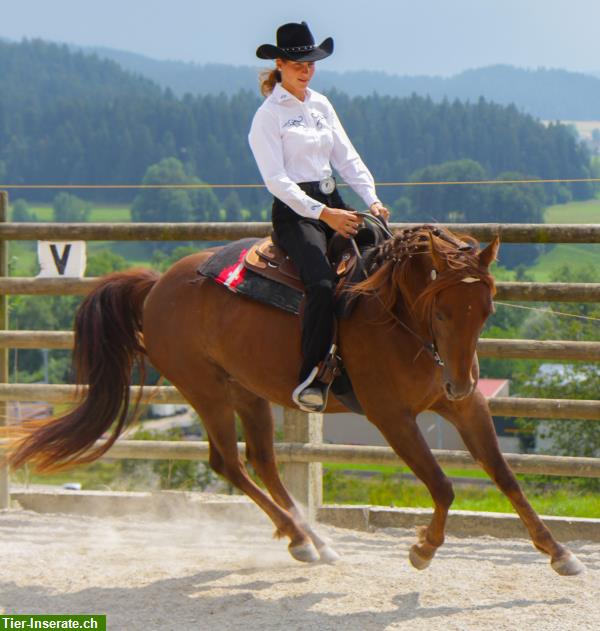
<point>257,419</point>
<point>212,401</point>
<point>473,420</point>
<point>405,438</point>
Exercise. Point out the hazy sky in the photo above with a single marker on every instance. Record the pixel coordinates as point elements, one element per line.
<point>398,36</point>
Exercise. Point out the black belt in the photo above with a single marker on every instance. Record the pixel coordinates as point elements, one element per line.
<point>326,186</point>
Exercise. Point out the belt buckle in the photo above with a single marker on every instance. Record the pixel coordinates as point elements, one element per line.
<point>327,185</point>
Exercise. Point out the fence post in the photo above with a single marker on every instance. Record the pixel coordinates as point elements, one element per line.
<point>4,479</point>
<point>304,480</point>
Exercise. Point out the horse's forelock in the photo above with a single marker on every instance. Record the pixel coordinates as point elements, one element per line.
<point>461,264</point>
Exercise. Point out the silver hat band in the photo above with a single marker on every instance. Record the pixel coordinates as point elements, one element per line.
<point>298,49</point>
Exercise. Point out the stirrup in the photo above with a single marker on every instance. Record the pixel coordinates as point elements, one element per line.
<point>311,396</point>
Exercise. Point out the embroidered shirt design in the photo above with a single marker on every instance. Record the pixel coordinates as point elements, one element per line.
<point>295,122</point>
<point>318,119</point>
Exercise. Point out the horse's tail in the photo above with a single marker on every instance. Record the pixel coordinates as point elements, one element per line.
<point>108,344</point>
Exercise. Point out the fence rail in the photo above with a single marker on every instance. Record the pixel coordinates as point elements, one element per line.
<point>226,231</point>
<point>504,348</point>
<point>500,406</point>
<point>540,292</point>
<point>355,454</point>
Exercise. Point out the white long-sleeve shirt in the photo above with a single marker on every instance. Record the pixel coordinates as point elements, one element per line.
<point>298,141</point>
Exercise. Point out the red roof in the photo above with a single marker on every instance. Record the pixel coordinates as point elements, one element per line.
<point>491,387</point>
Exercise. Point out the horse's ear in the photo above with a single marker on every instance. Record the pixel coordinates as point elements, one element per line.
<point>488,256</point>
<point>439,260</point>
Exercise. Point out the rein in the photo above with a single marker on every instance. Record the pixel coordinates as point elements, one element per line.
<point>461,246</point>
<point>430,347</point>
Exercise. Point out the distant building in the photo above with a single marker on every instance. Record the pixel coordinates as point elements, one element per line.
<point>354,429</point>
<point>19,412</point>
<point>557,375</point>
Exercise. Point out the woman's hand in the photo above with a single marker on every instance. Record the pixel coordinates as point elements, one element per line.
<point>379,210</point>
<point>342,221</point>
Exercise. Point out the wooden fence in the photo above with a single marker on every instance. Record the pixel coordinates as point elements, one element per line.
<point>302,450</point>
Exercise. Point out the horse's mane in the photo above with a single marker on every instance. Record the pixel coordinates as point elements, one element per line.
<point>391,269</point>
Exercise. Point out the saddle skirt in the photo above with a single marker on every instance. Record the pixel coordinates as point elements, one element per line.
<point>270,261</point>
<point>227,267</point>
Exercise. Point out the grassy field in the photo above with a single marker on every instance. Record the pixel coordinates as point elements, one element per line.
<point>390,490</point>
<point>574,212</point>
<point>577,256</point>
<point>344,484</point>
<point>391,470</point>
<point>102,213</point>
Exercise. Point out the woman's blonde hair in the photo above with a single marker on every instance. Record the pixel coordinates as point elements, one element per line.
<point>267,80</point>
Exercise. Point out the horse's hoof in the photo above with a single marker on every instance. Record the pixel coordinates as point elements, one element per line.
<point>328,554</point>
<point>305,552</point>
<point>417,561</point>
<point>569,565</point>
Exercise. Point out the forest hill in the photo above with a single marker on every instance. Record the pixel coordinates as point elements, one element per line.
<point>68,117</point>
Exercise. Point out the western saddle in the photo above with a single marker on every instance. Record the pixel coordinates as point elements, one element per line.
<point>345,255</point>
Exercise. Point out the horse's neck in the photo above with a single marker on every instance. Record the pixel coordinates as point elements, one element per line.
<point>370,312</point>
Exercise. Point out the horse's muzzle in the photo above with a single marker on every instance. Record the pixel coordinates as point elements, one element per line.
<point>456,393</point>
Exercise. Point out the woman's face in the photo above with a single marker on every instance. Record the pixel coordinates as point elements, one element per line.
<point>296,75</point>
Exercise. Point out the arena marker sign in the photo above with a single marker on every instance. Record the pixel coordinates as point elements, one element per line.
<point>60,258</point>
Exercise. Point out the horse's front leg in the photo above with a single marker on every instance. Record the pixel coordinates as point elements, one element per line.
<point>405,438</point>
<point>473,420</point>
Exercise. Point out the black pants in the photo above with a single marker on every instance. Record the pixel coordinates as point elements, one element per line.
<point>305,242</point>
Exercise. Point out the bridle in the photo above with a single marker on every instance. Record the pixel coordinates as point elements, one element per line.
<point>430,347</point>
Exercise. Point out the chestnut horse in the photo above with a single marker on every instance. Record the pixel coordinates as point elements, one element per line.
<point>427,292</point>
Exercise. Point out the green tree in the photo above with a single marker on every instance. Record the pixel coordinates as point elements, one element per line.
<point>516,203</point>
<point>233,207</point>
<point>567,381</point>
<point>104,262</point>
<point>68,208</point>
<point>21,211</point>
<point>453,203</point>
<point>162,260</point>
<point>173,205</point>
<point>51,313</point>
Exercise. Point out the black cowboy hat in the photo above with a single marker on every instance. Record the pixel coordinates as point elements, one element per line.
<point>295,42</point>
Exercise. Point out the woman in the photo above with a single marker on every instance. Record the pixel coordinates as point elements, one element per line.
<point>296,137</point>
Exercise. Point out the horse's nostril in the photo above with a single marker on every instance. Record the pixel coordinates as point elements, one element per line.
<point>448,388</point>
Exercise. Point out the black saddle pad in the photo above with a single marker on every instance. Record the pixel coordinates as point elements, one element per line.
<point>226,267</point>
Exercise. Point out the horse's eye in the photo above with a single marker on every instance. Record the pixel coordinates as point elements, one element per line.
<point>439,316</point>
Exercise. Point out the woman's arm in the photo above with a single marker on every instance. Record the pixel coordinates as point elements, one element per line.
<point>347,162</point>
<point>265,142</point>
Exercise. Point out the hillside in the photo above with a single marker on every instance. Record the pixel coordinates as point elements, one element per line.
<point>34,68</point>
<point>67,117</point>
<point>545,93</point>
